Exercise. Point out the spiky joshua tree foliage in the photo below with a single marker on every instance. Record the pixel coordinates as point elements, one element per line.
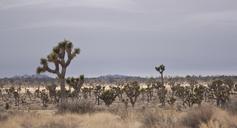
<point>76,84</point>
<point>61,56</point>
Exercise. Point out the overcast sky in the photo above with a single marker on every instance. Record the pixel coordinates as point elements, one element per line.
<point>127,37</point>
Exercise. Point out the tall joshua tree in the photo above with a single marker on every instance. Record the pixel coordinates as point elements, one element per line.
<point>161,69</point>
<point>61,56</point>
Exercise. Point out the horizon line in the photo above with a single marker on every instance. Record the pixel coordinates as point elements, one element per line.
<point>126,75</point>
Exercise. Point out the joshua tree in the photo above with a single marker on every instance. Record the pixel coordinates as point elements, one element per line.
<point>44,98</point>
<point>151,84</point>
<point>119,92</point>
<point>52,92</point>
<point>61,56</point>
<point>221,92</point>
<point>28,93</point>
<point>181,92</point>
<point>132,91</point>
<point>97,91</point>
<point>199,94</point>
<point>161,69</point>
<point>86,91</point>
<point>16,97</point>
<point>162,95</point>
<point>37,93</point>
<point>108,96</point>
<point>161,89</point>
<point>229,82</point>
<point>76,84</point>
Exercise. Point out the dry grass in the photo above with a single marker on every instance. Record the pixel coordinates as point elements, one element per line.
<point>96,120</point>
<point>197,117</point>
<point>208,117</point>
<point>221,119</point>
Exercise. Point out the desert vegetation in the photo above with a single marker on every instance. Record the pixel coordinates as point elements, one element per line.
<point>115,102</point>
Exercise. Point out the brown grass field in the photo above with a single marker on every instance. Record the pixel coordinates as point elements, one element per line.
<point>116,116</point>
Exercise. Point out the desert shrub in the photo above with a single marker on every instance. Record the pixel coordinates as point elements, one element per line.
<point>159,119</point>
<point>221,119</point>
<point>196,116</point>
<point>81,107</point>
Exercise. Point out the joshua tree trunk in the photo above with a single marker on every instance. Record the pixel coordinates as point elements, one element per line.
<point>63,89</point>
<point>98,100</point>
<point>133,103</point>
<point>62,83</point>
<point>162,79</point>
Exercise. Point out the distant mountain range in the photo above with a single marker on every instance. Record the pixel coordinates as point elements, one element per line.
<point>115,76</point>
<point>36,76</point>
<point>108,78</point>
<point>35,79</point>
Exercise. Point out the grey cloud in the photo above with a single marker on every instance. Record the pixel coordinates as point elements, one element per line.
<point>122,36</point>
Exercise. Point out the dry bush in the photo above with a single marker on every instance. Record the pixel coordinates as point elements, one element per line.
<point>221,119</point>
<point>196,116</point>
<point>81,107</point>
<point>159,118</point>
<point>208,117</point>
